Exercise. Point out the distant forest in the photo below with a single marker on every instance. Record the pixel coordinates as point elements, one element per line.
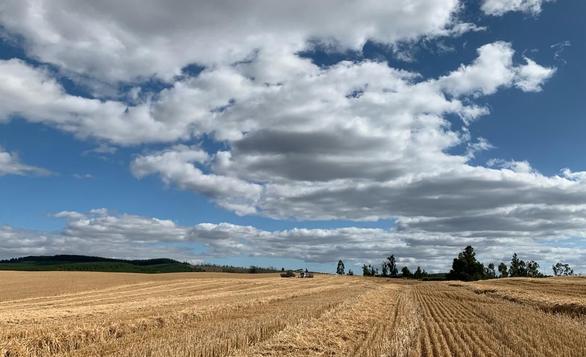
<point>88,263</point>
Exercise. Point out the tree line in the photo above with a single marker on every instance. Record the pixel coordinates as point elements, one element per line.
<point>464,267</point>
<point>388,269</point>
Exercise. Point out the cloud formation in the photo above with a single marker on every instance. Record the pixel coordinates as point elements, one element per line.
<point>33,94</point>
<point>500,7</point>
<point>11,165</point>
<point>128,236</point>
<point>351,141</point>
<point>179,166</point>
<point>115,41</point>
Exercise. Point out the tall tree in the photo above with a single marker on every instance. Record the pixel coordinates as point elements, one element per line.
<point>533,269</point>
<point>385,269</point>
<point>518,267</point>
<point>466,267</point>
<point>490,272</point>
<point>392,266</point>
<point>365,270</point>
<point>560,269</point>
<point>503,270</point>
<point>340,268</point>
<point>406,272</point>
<point>418,273</point>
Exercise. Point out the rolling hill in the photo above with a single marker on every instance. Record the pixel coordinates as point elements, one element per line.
<point>100,264</point>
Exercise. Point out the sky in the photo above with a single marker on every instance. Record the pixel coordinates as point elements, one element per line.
<point>294,133</point>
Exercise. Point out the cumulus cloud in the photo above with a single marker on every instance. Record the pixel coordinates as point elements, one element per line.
<point>494,69</point>
<point>101,227</point>
<point>11,165</point>
<point>353,140</point>
<point>178,165</point>
<point>500,7</point>
<point>115,42</point>
<point>100,233</point>
<point>33,94</point>
<point>129,236</point>
<point>531,76</point>
<point>227,101</point>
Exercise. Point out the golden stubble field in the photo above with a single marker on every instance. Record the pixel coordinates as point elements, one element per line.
<point>206,314</point>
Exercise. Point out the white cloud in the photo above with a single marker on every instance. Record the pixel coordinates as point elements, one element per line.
<point>113,41</point>
<point>178,165</point>
<point>500,7</point>
<point>515,166</point>
<point>531,76</point>
<point>33,94</point>
<point>347,141</point>
<point>101,150</point>
<point>11,165</point>
<point>83,176</point>
<point>226,101</point>
<point>101,227</point>
<point>494,69</point>
<point>130,236</point>
<point>559,48</point>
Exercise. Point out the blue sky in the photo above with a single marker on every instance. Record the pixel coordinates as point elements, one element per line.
<point>295,184</point>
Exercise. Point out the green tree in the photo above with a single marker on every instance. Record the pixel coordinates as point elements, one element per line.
<point>466,267</point>
<point>340,268</point>
<point>365,270</point>
<point>503,270</point>
<point>392,266</point>
<point>490,272</point>
<point>418,273</point>
<point>369,270</point>
<point>350,272</point>
<point>406,272</point>
<point>518,267</point>
<point>385,269</point>
<point>533,269</point>
<point>561,269</point>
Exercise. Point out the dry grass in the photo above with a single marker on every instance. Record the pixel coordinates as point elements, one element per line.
<point>563,295</point>
<point>25,284</point>
<point>456,321</point>
<point>91,314</point>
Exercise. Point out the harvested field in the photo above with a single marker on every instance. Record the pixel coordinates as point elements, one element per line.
<point>206,314</point>
<point>564,295</point>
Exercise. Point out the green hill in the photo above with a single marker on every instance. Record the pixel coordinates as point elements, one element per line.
<point>88,263</point>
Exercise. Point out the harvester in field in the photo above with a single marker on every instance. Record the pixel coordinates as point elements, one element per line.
<point>288,274</point>
<point>306,274</point>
